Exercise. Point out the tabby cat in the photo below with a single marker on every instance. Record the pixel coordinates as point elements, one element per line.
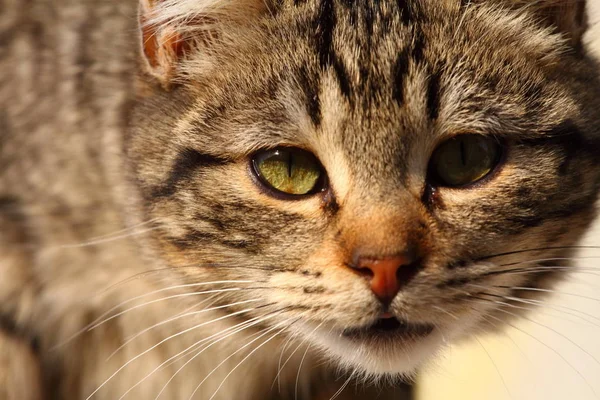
<point>276,199</point>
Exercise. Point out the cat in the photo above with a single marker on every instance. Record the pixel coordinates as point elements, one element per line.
<point>273,199</point>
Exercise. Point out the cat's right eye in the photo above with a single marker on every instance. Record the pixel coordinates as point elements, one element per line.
<point>289,171</point>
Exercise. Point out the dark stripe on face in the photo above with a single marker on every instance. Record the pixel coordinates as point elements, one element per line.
<point>404,9</point>
<point>456,282</point>
<point>10,327</point>
<point>187,162</point>
<point>570,141</point>
<point>418,52</point>
<point>195,238</point>
<point>342,75</point>
<point>324,26</point>
<point>400,73</point>
<point>539,279</point>
<point>536,214</point>
<point>433,95</point>
<point>352,9</point>
<point>310,87</point>
<point>457,264</point>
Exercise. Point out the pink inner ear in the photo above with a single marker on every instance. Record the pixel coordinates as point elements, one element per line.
<point>150,44</point>
<point>167,41</point>
<point>163,49</point>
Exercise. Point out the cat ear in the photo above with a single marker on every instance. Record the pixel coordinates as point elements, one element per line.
<point>568,17</point>
<point>171,30</point>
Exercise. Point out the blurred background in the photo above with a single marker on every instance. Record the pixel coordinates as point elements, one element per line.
<point>553,356</point>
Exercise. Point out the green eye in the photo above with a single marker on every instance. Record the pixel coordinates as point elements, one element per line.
<point>465,159</point>
<point>289,171</point>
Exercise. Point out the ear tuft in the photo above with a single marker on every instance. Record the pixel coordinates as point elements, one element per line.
<point>568,17</point>
<point>173,29</point>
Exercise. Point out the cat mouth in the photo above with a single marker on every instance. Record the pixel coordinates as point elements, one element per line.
<point>389,328</point>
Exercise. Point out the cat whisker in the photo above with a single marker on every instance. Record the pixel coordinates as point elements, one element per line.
<point>508,253</point>
<point>249,355</point>
<point>215,299</point>
<point>558,308</point>
<point>299,371</point>
<point>98,321</point>
<point>542,304</point>
<point>276,326</point>
<point>238,328</point>
<point>548,347</point>
<point>535,309</point>
<point>280,367</point>
<point>341,389</point>
<point>120,231</point>
<point>540,269</point>
<point>106,240</point>
<point>279,363</point>
<point>521,288</point>
<point>544,260</point>
<point>175,296</point>
<point>191,266</point>
<point>531,302</point>
<point>163,341</point>
<point>496,368</point>
<point>188,314</point>
<point>550,329</point>
<point>128,339</point>
<point>227,331</point>
<point>507,335</point>
<point>446,312</point>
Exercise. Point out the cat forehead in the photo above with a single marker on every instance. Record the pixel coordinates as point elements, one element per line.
<point>383,77</point>
<point>380,56</point>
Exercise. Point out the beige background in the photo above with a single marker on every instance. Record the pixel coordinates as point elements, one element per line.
<point>513,365</point>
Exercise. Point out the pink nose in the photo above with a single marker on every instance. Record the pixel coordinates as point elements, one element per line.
<point>388,275</point>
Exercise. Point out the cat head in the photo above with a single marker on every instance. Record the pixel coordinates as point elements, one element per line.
<point>378,176</point>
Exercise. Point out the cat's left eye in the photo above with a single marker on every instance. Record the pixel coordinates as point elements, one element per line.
<point>289,171</point>
<point>464,159</point>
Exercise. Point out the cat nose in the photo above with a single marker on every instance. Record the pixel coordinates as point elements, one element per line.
<point>387,275</point>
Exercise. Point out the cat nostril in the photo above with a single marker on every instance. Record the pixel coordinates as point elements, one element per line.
<point>366,272</point>
<point>387,275</point>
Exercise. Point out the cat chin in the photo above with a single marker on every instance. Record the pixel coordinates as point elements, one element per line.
<point>377,359</point>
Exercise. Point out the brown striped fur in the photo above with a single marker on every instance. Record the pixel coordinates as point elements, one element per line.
<point>126,130</point>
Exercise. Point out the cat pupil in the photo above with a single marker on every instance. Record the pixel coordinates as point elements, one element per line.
<point>463,153</point>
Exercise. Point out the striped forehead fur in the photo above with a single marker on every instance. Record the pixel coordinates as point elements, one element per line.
<point>226,21</point>
<point>190,15</point>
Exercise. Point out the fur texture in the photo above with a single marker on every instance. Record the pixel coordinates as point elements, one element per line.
<point>133,231</point>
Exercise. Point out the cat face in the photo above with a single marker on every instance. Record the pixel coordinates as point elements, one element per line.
<point>378,178</point>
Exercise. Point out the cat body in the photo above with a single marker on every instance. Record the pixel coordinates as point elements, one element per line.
<point>143,255</point>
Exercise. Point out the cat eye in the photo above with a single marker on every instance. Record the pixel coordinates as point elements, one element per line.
<point>289,171</point>
<point>464,159</point>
